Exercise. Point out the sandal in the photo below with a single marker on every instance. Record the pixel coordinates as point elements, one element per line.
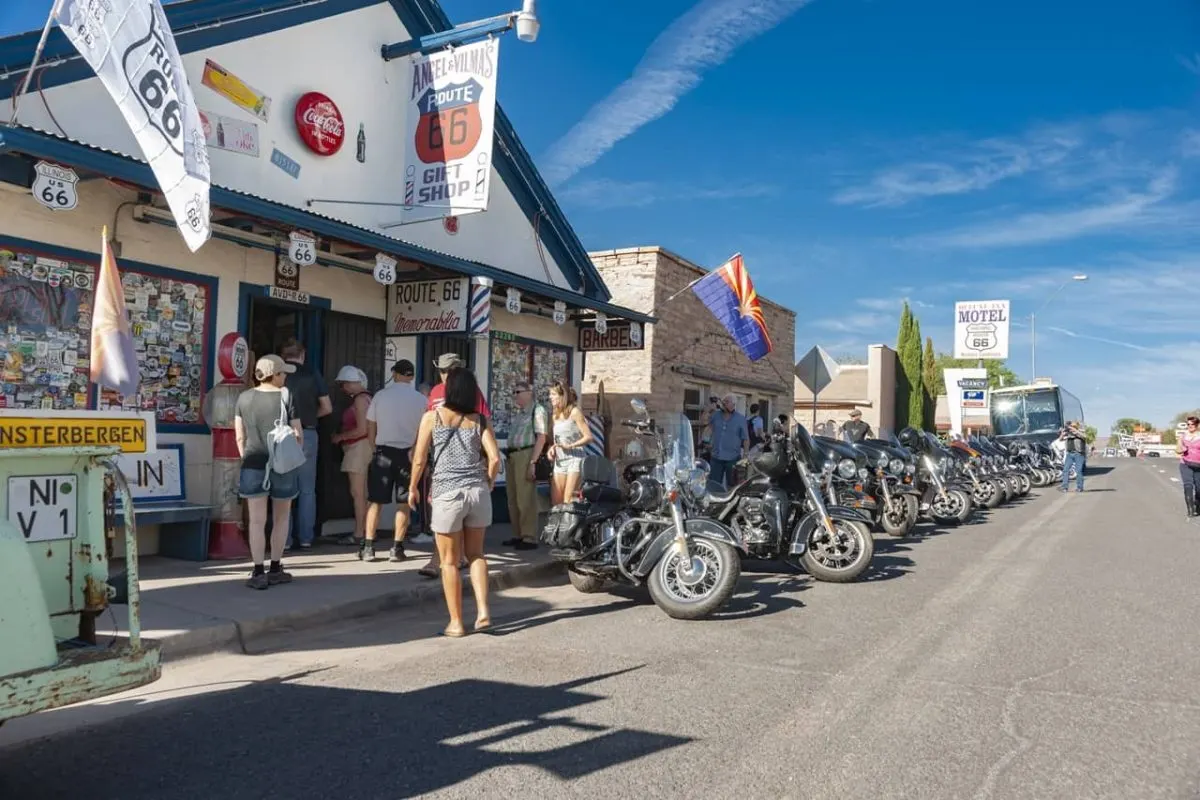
<point>428,572</point>
<point>454,634</point>
<point>483,624</point>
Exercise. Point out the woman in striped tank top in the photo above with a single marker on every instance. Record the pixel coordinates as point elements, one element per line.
<point>460,499</point>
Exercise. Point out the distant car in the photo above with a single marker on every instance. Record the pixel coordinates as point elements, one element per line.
<point>1153,454</point>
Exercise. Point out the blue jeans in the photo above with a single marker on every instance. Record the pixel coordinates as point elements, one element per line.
<point>1079,463</point>
<point>720,470</point>
<point>304,520</point>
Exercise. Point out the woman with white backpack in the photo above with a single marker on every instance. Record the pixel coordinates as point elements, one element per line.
<point>269,441</point>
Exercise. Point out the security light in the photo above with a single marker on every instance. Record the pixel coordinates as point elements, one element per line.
<point>527,22</point>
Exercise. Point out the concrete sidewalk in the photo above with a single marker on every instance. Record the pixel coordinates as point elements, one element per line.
<point>195,608</point>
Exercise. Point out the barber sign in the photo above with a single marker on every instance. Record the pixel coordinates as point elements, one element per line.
<point>981,329</point>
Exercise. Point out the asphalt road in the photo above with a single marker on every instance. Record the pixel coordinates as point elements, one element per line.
<point>1049,652</point>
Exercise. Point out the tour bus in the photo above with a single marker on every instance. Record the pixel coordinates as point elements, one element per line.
<point>1036,411</point>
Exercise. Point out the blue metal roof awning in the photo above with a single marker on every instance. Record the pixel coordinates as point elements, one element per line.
<point>109,163</point>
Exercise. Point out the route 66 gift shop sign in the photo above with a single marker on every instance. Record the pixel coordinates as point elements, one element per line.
<point>450,115</point>
<point>129,45</point>
<point>981,329</point>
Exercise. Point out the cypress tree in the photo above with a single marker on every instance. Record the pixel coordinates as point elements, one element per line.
<point>902,383</point>
<point>929,373</point>
<point>916,384</point>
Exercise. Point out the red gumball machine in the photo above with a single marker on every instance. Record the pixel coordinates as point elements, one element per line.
<point>225,541</point>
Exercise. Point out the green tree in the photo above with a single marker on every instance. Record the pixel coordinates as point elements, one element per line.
<point>902,384</point>
<point>1169,436</point>
<point>929,374</point>
<point>1127,424</point>
<point>1090,433</point>
<point>1183,415</point>
<point>911,360</point>
<point>998,373</point>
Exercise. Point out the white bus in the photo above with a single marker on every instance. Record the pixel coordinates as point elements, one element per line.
<point>1036,411</point>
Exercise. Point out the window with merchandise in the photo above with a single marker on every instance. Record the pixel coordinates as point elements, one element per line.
<point>512,359</point>
<point>46,296</point>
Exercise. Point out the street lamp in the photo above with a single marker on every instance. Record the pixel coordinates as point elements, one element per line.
<point>525,21</point>
<point>1033,324</point>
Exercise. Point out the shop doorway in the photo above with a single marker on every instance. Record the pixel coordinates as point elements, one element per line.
<point>272,324</point>
<point>434,346</point>
<point>356,341</point>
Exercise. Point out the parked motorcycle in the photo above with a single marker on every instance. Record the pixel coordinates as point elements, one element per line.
<point>945,496</point>
<point>653,533</point>
<point>779,509</point>
<point>898,499</point>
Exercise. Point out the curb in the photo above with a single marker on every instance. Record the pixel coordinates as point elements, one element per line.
<point>239,637</point>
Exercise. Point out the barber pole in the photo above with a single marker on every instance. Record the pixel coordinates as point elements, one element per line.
<point>596,446</point>
<point>481,307</point>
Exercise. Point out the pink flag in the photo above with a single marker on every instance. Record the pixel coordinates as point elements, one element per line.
<point>114,363</point>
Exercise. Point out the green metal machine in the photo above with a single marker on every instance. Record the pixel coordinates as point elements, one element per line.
<point>54,563</point>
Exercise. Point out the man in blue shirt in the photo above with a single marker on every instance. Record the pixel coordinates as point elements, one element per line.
<point>729,440</point>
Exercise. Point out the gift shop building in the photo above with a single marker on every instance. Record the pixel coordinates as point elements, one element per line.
<point>321,227</point>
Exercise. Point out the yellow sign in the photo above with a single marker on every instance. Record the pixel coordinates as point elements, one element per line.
<point>128,433</point>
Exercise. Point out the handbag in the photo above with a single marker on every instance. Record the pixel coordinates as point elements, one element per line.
<point>286,453</point>
<point>543,468</point>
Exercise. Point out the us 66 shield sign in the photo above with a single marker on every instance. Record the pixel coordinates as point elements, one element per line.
<point>55,186</point>
<point>981,329</point>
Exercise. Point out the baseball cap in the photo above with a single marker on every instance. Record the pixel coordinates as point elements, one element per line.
<point>270,365</point>
<point>856,413</point>
<point>448,361</point>
<point>404,368</point>
<point>351,374</point>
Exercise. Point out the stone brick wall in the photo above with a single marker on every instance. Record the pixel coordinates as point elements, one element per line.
<point>686,335</point>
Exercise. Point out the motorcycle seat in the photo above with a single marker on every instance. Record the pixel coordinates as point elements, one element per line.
<point>717,493</point>
<point>603,494</point>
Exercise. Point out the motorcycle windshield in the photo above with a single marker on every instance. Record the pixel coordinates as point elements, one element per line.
<point>804,446</point>
<point>680,449</point>
<point>888,437</point>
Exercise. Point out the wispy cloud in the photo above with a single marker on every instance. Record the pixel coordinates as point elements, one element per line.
<point>980,166</point>
<point>604,193</point>
<point>1101,339</point>
<point>1191,63</point>
<point>1129,209</point>
<point>675,63</point>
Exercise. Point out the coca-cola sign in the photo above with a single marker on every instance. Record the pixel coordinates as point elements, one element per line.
<point>320,124</point>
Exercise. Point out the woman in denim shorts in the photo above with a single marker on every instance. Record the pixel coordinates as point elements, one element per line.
<point>571,435</point>
<point>460,487</point>
<point>257,411</point>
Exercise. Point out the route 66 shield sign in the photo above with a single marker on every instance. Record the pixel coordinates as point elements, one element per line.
<point>450,123</point>
<point>981,337</point>
<point>302,248</point>
<point>55,186</point>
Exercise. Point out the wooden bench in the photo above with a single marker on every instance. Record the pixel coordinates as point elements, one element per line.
<point>157,483</point>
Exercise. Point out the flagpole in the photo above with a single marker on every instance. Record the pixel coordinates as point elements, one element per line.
<point>37,56</point>
<point>693,283</point>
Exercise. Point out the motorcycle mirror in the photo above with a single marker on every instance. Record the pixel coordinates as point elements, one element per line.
<point>639,405</point>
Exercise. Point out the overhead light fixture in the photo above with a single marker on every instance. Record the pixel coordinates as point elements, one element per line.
<point>527,22</point>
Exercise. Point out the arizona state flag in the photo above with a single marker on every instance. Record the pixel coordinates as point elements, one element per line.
<point>729,294</point>
<point>114,363</point>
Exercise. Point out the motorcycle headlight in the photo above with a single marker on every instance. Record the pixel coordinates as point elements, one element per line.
<point>847,468</point>
<point>864,473</point>
<point>910,469</point>
<point>882,461</point>
<point>896,466</point>
<point>829,466</point>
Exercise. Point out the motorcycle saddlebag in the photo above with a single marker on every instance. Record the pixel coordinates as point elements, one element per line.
<point>564,524</point>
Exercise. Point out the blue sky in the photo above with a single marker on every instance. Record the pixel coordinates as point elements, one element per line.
<point>859,152</point>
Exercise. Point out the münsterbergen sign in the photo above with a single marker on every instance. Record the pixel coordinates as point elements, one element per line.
<point>417,307</point>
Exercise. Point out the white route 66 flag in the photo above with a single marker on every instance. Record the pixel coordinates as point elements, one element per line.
<point>129,45</point>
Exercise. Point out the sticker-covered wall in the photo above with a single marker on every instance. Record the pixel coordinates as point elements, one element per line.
<point>313,117</point>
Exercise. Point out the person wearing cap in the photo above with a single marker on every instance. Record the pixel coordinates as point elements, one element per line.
<point>437,395</point>
<point>393,418</point>
<point>311,396</point>
<point>255,415</point>
<point>1075,443</point>
<point>356,447</point>
<point>527,431</point>
<point>855,429</point>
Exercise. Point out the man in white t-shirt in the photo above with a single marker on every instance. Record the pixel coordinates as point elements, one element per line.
<point>392,422</point>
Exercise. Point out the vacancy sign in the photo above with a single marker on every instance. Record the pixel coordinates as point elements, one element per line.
<point>981,329</point>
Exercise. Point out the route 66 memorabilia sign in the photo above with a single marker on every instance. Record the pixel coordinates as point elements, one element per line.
<point>512,302</point>
<point>302,248</point>
<point>560,312</point>
<point>233,356</point>
<point>287,274</point>
<point>55,186</point>
<point>385,269</point>
<point>601,323</point>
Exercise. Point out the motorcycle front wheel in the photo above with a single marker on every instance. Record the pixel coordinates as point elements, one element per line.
<point>997,496</point>
<point>893,517</point>
<point>1024,483</point>
<point>947,510</point>
<point>968,505</point>
<point>697,592</point>
<point>841,558</point>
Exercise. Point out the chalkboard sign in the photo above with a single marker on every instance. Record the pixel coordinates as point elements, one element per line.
<point>155,476</point>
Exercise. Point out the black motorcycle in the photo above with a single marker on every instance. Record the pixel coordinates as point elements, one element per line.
<point>651,533</point>
<point>891,483</point>
<point>779,510</point>
<point>946,496</point>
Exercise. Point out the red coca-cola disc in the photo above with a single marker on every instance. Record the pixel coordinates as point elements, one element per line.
<point>320,124</point>
<point>233,357</point>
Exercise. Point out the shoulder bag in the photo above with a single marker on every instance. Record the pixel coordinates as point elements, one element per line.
<point>286,452</point>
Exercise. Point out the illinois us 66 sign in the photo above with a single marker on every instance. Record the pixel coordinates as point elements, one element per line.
<point>55,186</point>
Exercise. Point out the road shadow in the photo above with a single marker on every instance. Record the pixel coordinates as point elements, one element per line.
<point>1089,471</point>
<point>272,738</point>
